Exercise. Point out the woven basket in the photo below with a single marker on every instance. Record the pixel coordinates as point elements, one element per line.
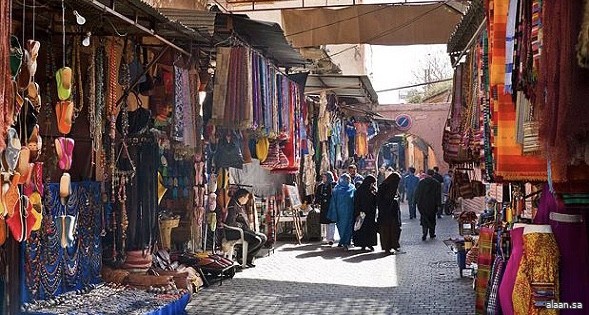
<point>145,281</point>
<point>114,275</point>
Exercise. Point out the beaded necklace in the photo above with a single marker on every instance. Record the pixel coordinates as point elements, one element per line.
<point>99,96</point>
<point>79,87</point>
<point>90,79</point>
<point>123,203</point>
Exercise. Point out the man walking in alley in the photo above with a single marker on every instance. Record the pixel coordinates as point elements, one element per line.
<point>410,182</point>
<point>356,178</point>
<point>437,176</point>
<point>427,197</point>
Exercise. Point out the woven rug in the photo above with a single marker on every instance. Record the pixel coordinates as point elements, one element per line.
<point>511,164</point>
<point>484,262</point>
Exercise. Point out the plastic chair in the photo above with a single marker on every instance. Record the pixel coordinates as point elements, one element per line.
<point>228,246</point>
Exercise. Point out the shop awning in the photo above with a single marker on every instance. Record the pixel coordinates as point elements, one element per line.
<point>105,17</point>
<point>267,37</point>
<point>399,24</point>
<point>355,92</point>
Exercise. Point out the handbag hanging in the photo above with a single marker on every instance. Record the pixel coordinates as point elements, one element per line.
<point>531,144</point>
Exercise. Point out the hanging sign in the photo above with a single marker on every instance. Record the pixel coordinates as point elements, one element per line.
<point>404,122</point>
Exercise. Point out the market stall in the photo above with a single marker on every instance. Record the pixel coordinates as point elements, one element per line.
<point>519,78</point>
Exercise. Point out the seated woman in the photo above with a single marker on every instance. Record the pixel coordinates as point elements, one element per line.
<point>237,217</point>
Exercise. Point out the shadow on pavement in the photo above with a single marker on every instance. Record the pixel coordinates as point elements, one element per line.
<point>256,296</point>
<point>328,252</point>
<point>364,256</point>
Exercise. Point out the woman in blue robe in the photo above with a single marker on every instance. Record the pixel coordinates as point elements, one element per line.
<point>341,209</point>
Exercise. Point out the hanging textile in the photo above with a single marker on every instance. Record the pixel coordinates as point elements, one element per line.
<point>361,139</point>
<point>180,106</point>
<point>484,262</point>
<point>189,115</point>
<point>220,85</point>
<point>511,164</point>
<point>562,130</point>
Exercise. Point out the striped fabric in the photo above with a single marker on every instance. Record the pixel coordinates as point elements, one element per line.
<point>510,44</point>
<point>511,164</point>
<point>493,307</point>
<point>537,29</point>
<point>484,262</point>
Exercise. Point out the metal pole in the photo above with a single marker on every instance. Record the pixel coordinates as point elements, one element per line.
<point>470,42</point>
<point>137,25</point>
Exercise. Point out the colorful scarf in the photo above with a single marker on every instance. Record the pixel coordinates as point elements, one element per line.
<point>484,262</point>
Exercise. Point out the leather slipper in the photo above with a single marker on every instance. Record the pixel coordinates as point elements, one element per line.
<point>64,148</point>
<point>63,77</point>
<point>70,227</point>
<point>33,47</point>
<point>23,78</point>
<point>16,54</point>
<point>15,220</point>
<point>61,230</point>
<point>29,218</point>
<point>65,187</point>
<point>23,166</point>
<point>35,144</point>
<point>12,195</point>
<point>12,151</point>
<point>34,96</point>
<point>37,209</point>
<point>64,110</point>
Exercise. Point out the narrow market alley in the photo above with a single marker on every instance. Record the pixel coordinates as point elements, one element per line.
<point>315,278</point>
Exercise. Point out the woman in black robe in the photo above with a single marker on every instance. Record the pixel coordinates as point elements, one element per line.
<point>365,201</point>
<point>389,213</point>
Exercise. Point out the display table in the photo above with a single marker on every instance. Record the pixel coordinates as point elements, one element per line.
<point>299,225</point>
<point>111,299</point>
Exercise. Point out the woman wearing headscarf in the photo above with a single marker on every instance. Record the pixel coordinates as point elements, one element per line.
<point>389,213</point>
<point>322,198</point>
<point>365,201</point>
<point>341,209</point>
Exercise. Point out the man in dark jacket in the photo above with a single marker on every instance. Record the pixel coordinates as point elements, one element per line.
<point>427,197</point>
<point>437,176</point>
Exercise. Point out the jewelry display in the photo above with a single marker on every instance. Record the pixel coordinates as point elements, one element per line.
<point>107,299</point>
<point>50,269</point>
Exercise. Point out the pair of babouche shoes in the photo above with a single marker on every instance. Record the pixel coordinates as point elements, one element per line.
<point>64,147</point>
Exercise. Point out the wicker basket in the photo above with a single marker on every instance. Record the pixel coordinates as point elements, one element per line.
<point>166,227</point>
<point>114,275</point>
<point>144,281</point>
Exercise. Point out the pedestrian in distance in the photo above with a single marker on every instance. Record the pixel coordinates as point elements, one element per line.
<point>389,213</point>
<point>402,186</point>
<point>427,197</point>
<point>322,198</point>
<point>341,209</point>
<point>365,202</point>
<point>355,178</point>
<point>410,182</point>
<point>437,176</point>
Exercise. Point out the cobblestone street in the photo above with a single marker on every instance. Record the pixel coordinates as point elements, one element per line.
<point>313,278</point>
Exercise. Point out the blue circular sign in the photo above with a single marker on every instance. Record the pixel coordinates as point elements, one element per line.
<point>404,122</point>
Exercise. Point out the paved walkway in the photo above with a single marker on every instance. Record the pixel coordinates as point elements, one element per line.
<point>320,279</point>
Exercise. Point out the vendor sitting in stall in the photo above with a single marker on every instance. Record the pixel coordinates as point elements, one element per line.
<point>237,217</point>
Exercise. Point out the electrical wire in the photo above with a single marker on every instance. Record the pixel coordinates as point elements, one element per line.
<point>63,31</point>
<point>414,85</point>
<point>339,21</point>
